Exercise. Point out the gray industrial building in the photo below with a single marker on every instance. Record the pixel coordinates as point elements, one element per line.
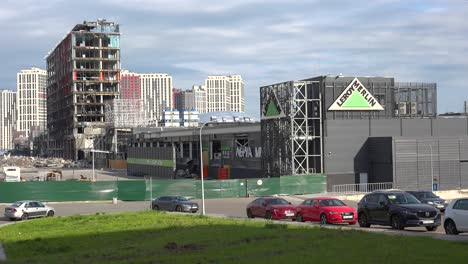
<point>353,129</point>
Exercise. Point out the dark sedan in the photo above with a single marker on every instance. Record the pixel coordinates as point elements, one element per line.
<point>174,203</point>
<point>430,198</point>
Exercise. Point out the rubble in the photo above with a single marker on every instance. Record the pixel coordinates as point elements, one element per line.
<point>35,162</point>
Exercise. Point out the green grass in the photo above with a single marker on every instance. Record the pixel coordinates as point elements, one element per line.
<point>154,237</point>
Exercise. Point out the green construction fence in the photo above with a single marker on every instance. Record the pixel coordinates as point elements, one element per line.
<point>140,190</point>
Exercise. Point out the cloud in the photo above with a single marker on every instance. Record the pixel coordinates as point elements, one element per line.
<point>266,41</point>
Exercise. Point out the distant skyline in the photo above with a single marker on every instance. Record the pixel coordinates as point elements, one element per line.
<point>265,41</point>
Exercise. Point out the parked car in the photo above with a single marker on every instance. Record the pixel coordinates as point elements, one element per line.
<point>430,198</point>
<point>28,209</point>
<point>325,210</point>
<point>271,208</point>
<point>456,217</point>
<point>397,209</point>
<point>174,203</point>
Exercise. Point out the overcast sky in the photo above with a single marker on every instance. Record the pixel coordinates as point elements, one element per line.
<point>266,41</point>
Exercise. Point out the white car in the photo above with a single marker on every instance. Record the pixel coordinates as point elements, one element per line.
<point>28,209</point>
<point>456,217</point>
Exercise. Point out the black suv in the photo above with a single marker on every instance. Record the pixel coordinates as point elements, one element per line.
<point>397,209</point>
<point>430,198</point>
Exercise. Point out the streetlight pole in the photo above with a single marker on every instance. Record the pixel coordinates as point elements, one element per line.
<point>201,167</point>
<point>432,171</point>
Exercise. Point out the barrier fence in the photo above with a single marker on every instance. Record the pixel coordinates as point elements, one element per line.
<point>140,190</point>
<point>361,187</point>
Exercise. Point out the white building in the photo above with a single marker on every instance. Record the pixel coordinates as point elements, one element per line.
<point>31,100</point>
<point>225,93</point>
<point>195,99</point>
<point>237,93</point>
<point>7,118</point>
<point>156,93</point>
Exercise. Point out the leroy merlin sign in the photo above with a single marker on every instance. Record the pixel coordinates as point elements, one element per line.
<point>355,98</point>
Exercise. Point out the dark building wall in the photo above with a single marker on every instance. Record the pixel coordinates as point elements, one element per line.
<point>348,151</point>
<point>150,155</point>
<point>422,161</point>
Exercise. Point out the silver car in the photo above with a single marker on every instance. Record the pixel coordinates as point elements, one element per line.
<point>28,209</point>
<point>174,203</point>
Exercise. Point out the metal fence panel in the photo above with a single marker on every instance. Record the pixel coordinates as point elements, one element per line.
<point>301,184</point>
<point>57,191</point>
<point>263,186</point>
<point>132,190</point>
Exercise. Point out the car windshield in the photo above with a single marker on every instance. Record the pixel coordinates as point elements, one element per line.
<point>427,195</point>
<point>17,204</point>
<point>331,202</point>
<point>276,201</point>
<point>183,199</point>
<point>402,198</point>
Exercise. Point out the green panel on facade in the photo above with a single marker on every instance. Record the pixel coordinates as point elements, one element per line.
<point>151,162</point>
<point>263,186</point>
<point>57,191</point>
<point>132,190</point>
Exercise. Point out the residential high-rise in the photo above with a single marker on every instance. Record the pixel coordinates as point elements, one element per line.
<point>156,93</point>
<point>178,99</point>
<point>7,118</point>
<point>83,77</point>
<point>31,100</point>
<point>196,99</point>
<point>237,93</point>
<point>130,85</point>
<point>225,93</point>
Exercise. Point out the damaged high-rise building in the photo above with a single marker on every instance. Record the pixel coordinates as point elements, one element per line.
<point>83,76</point>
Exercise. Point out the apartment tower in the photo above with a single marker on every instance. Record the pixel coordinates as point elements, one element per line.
<point>7,118</point>
<point>130,85</point>
<point>156,93</point>
<point>83,77</point>
<point>224,93</point>
<point>31,101</point>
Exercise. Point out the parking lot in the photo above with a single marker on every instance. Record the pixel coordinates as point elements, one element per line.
<point>228,207</point>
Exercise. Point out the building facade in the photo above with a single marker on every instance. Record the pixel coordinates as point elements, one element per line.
<point>7,118</point>
<point>31,100</point>
<point>156,93</point>
<point>83,76</point>
<point>237,93</point>
<point>130,85</point>
<point>224,93</point>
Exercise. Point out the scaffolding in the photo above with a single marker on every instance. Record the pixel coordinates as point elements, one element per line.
<point>291,128</point>
<point>126,113</point>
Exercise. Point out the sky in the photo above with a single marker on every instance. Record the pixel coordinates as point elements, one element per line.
<point>265,41</point>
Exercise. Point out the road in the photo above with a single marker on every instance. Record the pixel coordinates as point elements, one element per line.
<point>227,207</point>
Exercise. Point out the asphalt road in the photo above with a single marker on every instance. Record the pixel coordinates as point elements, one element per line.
<point>228,207</point>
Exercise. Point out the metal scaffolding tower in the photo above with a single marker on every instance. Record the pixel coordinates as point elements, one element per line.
<point>291,128</point>
<point>126,113</point>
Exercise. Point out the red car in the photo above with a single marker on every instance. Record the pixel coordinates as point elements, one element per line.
<point>271,208</point>
<point>326,211</point>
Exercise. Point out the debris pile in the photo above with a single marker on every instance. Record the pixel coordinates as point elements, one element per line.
<point>34,162</point>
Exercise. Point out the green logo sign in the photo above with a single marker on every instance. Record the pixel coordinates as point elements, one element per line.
<point>355,98</point>
<point>272,108</point>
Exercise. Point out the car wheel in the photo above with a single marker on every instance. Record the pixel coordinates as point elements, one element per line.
<point>178,208</point>
<point>249,214</point>
<point>50,213</point>
<point>25,216</point>
<point>450,228</point>
<point>431,228</point>
<point>299,217</point>
<point>268,215</point>
<point>155,207</point>
<point>323,219</point>
<point>362,219</point>
<point>396,223</point>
